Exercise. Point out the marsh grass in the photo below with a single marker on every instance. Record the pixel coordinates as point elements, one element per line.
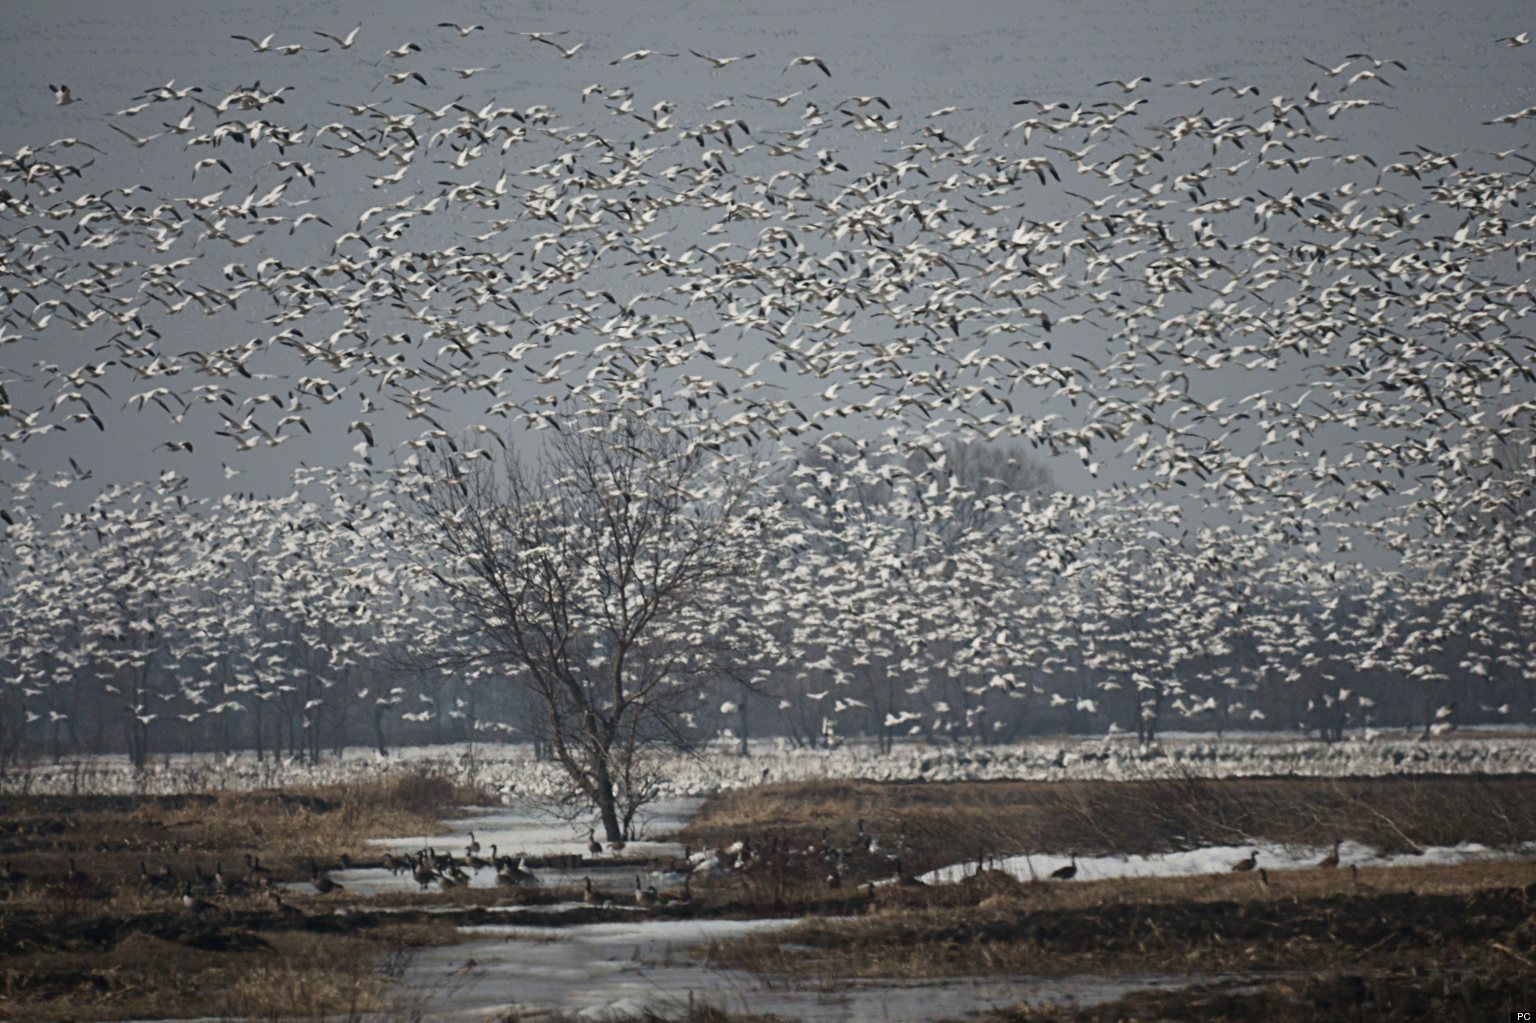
<point>997,924</point>
<point>932,825</point>
<point>1414,942</point>
<point>102,944</point>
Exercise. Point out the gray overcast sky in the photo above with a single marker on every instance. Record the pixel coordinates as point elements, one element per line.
<point>920,55</point>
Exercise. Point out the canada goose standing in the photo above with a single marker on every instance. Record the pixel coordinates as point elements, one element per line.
<point>163,881</point>
<point>283,910</point>
<point>679,898</point>
<point>1243,866</point>
<point>225,885</point>
<point>10,877</point>
<point>321,881</point>
<point>593,845</point>
<point>645,897</point>
<point>423,872</point>
<point>905,879</point>
<point>191,903</point>
<point>255,872</point>
<point>1068,872</point>
<point>1332,859</point>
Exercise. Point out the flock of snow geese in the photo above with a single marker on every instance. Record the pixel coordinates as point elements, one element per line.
<point>1265,356</point>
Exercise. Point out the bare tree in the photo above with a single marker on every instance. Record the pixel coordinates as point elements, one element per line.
<point>604,577</point>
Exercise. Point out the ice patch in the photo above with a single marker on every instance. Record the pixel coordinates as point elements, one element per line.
<point>1219,859</point>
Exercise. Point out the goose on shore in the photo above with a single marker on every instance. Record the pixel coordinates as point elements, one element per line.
<point>1068,872</point>
<point>322,881</point>
<point>592,896</point>
<point>1243,866</point>
<point>191,903</point>
<point>423,873</point>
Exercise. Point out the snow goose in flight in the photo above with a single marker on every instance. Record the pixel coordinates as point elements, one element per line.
<point>721,62</point>
<point>344,42</point>
<point>261,47</point>
<point>566,52</point>
<point>810,58</point>
<point>640,55</point>
<point>1126,86</point>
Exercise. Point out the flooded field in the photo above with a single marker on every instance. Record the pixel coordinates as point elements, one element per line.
<point>830,901</point>
<point>625,971</point>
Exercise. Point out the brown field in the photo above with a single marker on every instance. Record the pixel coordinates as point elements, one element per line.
<point>1407,943</point>
<point>103,943</point>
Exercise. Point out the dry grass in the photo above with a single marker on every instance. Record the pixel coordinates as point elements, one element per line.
<point>1414,942</point>
<point>240,970</point>
<point>109,836</point>
<point>102,944</point>
<point>1393,997</point>
<point>931,825</point>
<point>995,924</point>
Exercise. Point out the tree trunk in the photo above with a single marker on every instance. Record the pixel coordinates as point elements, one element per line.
<point>741,721</point>
<point>261,752</point>
<point>378,731</point>
<point>607,806</point>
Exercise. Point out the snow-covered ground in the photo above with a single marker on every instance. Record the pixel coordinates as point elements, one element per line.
<point>512,771</point>
<point>1218,859</point>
